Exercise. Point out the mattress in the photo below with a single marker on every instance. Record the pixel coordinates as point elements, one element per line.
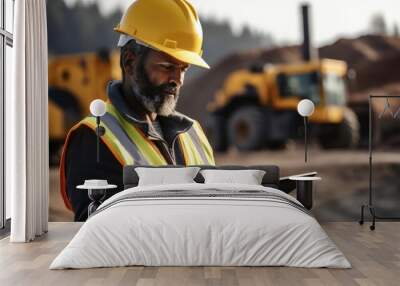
<point>201,225</point>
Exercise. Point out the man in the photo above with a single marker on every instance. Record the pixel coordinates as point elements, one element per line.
<point>159,40</point>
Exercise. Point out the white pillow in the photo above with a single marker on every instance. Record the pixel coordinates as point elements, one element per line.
<point>162,176</point>
<point>248,177</point>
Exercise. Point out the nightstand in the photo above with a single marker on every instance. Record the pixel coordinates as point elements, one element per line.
<point>304,188</point>
<point>96,191</point>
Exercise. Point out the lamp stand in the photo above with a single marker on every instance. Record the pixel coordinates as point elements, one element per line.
<point>305,138</point>
<point>100,130</point>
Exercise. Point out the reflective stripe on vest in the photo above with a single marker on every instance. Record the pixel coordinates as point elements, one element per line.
<point>149,152</point>
<point>192,156</point>
<point>195,147</point>
<point>122,143</point>
<point>118,148</point>
<point>202,144</point>
<point>205,144</point>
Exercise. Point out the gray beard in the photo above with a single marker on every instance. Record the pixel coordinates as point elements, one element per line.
<point>160,105</point>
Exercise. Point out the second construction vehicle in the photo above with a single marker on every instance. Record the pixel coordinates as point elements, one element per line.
<point>74,81</point>
<point>257,107</point>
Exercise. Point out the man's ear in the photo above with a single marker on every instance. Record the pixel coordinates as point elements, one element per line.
<point>128,62</point>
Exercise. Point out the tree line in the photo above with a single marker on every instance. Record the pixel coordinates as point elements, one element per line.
<point>82,28</point>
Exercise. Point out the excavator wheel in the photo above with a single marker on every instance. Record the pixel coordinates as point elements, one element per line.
<point>343,135</point>
<point>215,129</point>
<point>246,128</point>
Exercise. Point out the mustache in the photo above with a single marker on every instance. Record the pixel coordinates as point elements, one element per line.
<point>167,88</point>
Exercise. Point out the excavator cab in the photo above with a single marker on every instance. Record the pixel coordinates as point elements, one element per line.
<point>303,85</point>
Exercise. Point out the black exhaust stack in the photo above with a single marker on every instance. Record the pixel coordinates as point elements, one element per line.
<point>309,53</point>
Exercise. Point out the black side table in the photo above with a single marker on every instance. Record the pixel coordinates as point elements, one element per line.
<point>304,188</point>
<point>96,191</point>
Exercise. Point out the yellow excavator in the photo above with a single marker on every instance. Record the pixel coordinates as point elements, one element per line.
<point>257,107</point>
<point>74,81</point>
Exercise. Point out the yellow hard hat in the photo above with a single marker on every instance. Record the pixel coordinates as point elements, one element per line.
<point>170,26</point>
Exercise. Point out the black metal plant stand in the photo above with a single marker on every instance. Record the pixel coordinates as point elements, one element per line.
<point>370,205</point>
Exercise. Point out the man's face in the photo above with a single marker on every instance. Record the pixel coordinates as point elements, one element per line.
<point>158,79</point>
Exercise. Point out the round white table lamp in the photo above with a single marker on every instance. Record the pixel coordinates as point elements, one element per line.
<point>305,108</point>
<point>97,107</point>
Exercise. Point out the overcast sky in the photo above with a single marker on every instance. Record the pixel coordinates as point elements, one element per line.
<point>331,19</point>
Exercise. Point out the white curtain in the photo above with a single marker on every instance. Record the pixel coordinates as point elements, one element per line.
<point>27,173</point>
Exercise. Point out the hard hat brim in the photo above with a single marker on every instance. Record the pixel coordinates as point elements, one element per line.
<point>185,56</point>
<point>182,55</point>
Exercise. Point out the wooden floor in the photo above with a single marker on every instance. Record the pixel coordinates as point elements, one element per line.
<point>374,255</point>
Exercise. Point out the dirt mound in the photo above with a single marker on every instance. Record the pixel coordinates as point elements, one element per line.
<point>379,73</point>
<point>376,60</point>
<point>359,51</point>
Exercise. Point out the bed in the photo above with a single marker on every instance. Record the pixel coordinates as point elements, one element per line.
<point>201,224</point>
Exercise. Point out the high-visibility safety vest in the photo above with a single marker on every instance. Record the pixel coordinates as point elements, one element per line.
<point>130,146</point>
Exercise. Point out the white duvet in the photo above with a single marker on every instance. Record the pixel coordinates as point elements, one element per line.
<point>144,226</point>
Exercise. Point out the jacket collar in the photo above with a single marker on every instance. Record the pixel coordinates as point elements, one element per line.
<point>172,125</point>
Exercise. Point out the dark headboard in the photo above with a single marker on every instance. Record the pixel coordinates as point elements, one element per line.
<point>270,179</point>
